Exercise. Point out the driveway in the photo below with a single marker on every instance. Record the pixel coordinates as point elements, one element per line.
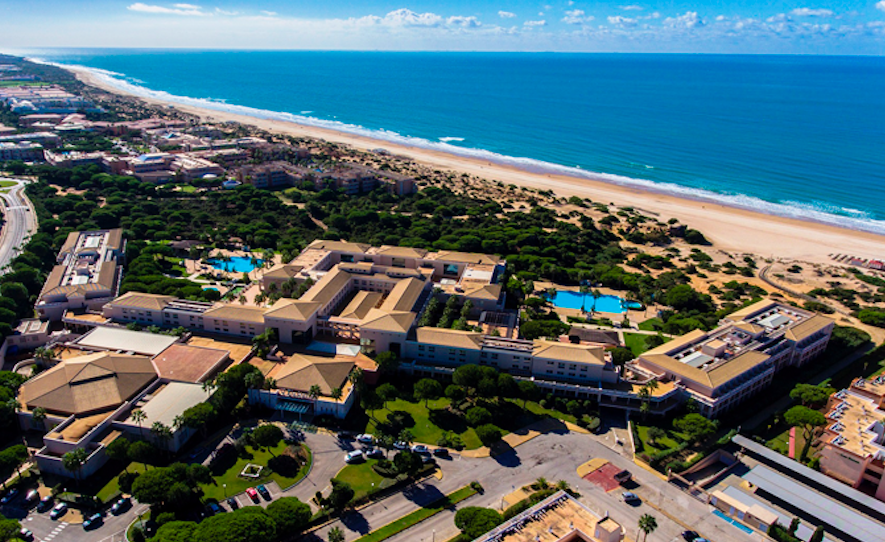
<point>554,456</point>
<point>20,221</point>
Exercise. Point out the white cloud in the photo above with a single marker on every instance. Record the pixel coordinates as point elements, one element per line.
<point>177,9</point>
<point>631,7</point>
<point>510,14</point>
<point>779,18</point>
<point>535,23</point>
<point>721,18</point>
<point>220,11</point>
<point>407,17</point>
<point>689,19</point>
<point>619,20</point>
<point>810,12</point>
<point>463,22</point>
<point>577,16</point>
<point>880,5</point>
<point>269,13</point>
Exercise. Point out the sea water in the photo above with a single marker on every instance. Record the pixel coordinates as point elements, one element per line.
<point>800,136</point>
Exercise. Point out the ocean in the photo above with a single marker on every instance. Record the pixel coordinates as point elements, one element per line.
<point>797,136</point>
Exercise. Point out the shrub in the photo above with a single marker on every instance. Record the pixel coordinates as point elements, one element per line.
<point>489,434</point>
<point>125,481</point>
<point>164,518</point>
<point>477,416</point>
<point>475,521</point>
<point>137,535</point>
<point>285,465</point>
<point>385,468</point>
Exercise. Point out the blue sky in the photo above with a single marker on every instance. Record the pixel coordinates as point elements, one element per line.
<point>700,26</point>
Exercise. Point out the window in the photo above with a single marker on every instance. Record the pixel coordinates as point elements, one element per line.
<point>562,365</point>
<point>421,347</point>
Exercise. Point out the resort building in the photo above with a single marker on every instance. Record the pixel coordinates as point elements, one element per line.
<point>32,99</point>
<point>86,274</point>
<point>721,368</point>
<point>26,151</point>
<point>853,442</point>
<point>271,174</point>
<point>558,518</point>
<point>191,167</point>
<point>297,373</point>
<point>90,393</point>
<point>47,139</point>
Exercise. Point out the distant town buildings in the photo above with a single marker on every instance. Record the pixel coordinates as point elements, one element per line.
<point>33,99</point>
<point>26,151</point>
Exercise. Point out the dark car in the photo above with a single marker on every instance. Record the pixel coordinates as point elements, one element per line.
<point>13,493</point>
<point>623,476</point>
<point>32,496</point>
<point>45,503</point>
<point>441,452</point>
<point>26,534</point>
<point>689,536</point>
<point>122,504</point>
<point>232,502</point>
<point>264,492</point>
<point>630,497</point>
<point>427,459</point>
<point>214,508</point>
<point>93,521</point>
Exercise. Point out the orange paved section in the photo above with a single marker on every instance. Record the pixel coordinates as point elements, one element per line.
<point>187,363</point>
<point>604,477</point>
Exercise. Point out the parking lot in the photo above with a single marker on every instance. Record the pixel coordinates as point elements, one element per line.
<point>69,527</point>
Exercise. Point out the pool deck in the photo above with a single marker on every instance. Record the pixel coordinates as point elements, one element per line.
<point>635,316</point>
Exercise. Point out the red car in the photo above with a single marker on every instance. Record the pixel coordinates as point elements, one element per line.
<point>252,494</point>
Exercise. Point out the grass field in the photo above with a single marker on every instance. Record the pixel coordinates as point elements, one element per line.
<point>7,184</point>
<point>418,516</point>
<point>187,189</point>
<point>113,486</point>
<point>363,478</point>
<point>661,444</point>
<point>652,324</point>
<point>424,430</point>
<point>237,484</point>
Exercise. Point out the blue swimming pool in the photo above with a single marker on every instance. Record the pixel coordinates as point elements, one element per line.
<point>237,264</point>
<point>733,521</point>
<point>604,303</point>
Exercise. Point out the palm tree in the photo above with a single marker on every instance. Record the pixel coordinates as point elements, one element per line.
<point>209,386</point>
<point>177,423</point>
<point>542,483</point>
<point>161,432</point>
<point>38,417</point>
<point>647,524</point>
<point>335,394</point>
<point>314,392</point>
<point>270,383</point>
<point>138,416</point>
<point>406,437</point>
<point>74,460</point>
<point>43,354</point>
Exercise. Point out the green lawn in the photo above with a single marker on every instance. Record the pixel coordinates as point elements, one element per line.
<point>424,430</point>
<point>363,478</point>
<point>652,324</point>
<point>635,342</point>
<point>113,486</point>
<point>662,444</point>
<point>542,412</point>
<point>7,184</point>
<point>237,484</point>
<point>418,516</point>
<point>187,188</point>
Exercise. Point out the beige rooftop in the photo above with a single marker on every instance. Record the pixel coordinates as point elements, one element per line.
<point>88,384</point>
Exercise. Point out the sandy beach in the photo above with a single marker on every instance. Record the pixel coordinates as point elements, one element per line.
<point>730,229</point>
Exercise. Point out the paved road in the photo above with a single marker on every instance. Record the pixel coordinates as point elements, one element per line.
<point>20,222</point>
<point>554,456</point>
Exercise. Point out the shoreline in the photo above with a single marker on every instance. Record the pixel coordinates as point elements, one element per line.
<point>729,228</point>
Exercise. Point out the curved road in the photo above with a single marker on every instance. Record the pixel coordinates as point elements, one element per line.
<point>20,221</point>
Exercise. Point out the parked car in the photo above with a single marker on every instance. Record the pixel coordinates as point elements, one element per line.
<point>26,534</point>
<point>420,449</point>
<point>232,502</point>
<point>214,508</point>
<point>32,496</point>
<point>355,456</point>
<point>58,510</point>
<point>400,445</point>
<point>690,536</point>
<point>92,521</point>
<point>365,438</point>
<point>700,539</point>
<point>345,435</point>
<point>623,476</point>
<point>264,492</point>
<point>121,505</point>
<point>252,494</point>
<point>441,452</point>
<point>427,459</point>
<point>375,453</point>
<point>10,495</point>
<point>45,503</point>
<point>630,497</point>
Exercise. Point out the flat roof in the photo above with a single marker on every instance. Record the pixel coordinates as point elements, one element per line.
<point>186,363</point>
<point>173,399</point>
<point>829,511</point>
<point>817,477</point>
<point>124,340</point>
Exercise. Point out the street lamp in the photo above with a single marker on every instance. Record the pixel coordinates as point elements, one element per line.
<point>225,490</point>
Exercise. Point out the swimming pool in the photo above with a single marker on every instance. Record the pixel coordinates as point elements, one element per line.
<point>734,522</point>
<point>237,264</point>
<point>605,303</point>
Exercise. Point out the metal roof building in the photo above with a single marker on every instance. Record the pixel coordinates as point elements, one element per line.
<point>123,340</point>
